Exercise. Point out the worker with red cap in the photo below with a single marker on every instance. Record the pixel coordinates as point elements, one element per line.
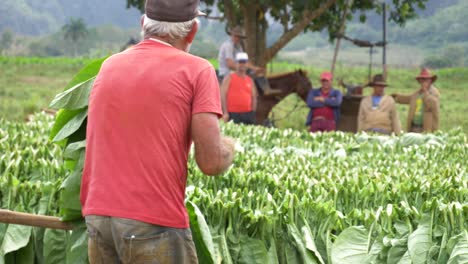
<point>324,104</point>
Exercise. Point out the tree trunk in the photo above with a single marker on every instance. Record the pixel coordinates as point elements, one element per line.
<point>255,27</point>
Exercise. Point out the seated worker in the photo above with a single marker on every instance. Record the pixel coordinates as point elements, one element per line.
<point>239,94</point>
<point>324,104</point>
<point>228,51</point>
<point>377,112</point>
<point>423,114</point>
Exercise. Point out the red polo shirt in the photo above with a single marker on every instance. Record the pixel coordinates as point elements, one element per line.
<point>138,134</point>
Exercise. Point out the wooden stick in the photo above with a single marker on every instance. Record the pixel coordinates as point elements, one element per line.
<point>12,217</point>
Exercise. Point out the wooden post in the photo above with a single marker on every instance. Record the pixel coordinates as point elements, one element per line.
<point>342,29</point>
<point>12,217</point>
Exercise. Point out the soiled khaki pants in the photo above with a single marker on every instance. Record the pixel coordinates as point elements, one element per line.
<point>120,240</point>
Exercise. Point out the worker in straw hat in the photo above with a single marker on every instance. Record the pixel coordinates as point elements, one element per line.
<point>229,49</point>
<point>377,112</point>
<point>148,104</point>
<point>423,114</point>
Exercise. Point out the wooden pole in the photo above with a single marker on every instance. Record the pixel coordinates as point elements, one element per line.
<point>12,217</point>
<point>384,53</point>
<point>338,40</point>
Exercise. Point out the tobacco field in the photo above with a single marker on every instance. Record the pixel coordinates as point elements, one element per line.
<point>290,197</point>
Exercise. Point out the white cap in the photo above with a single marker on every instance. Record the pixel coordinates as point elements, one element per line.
<point>242,56</point>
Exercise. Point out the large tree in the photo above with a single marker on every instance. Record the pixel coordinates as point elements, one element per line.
<point>296,16</point>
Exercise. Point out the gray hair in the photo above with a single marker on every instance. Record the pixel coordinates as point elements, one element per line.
<point>173,30</point>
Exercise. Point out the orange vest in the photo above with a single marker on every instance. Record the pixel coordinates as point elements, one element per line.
<point>239,94</point>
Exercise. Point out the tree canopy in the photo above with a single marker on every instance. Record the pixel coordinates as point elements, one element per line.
<point>296,16</point>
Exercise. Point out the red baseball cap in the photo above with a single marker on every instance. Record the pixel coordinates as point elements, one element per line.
<point>326,76</point>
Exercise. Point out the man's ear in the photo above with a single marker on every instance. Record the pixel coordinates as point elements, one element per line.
<point>191,35</point>
<point>142,20</point>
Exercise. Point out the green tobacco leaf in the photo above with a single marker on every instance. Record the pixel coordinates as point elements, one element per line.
<point>77,249</point>
<point>88,71</point>
<point>73,150</point>
<point>272,253</point>
<point>55,246</point>
<point>406,259</point>
<point>70,194</point>
<point>253,251</point>
<point>201,234</point>
<point>72,126</point>
<point>460,249</point>
<point>61,119</point>
<point>16,237</point>
<point>351,246</point>
<point>74,98</point>
<point>306,255</point>
<point>310,243</point>
<point>26,255</point>
<point>420,242</point>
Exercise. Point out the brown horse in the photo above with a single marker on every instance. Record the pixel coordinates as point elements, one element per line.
<point>281,85</point>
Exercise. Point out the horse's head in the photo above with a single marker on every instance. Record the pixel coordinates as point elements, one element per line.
<point>303,85</point>
<point>280,86</point>
<point>285,84</point>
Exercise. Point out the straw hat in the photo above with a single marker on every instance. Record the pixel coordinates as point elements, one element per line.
<point>378,80</point>
<point>426,74</point>
<point>237,31</point>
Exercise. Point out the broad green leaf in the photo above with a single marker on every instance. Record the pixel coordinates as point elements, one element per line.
<point>73,150</point>
<point>406,259</point>
<point>55,246</point>
<point>16,237</point>
<point>61,119</point>
<point>396,253</point>
<point>69,197</point>
<point>272,253</point>
<point>25,255</point>
<point>74,98</point>
<point>310,243</point>
<point>201,234</point>
<point>72,126</point>
<point>253,251</point>
<point>306,255</point>
<point>460,249</point>
<point>351,246</point>
<point>420,242</point>
<point>38,235</point>
<point>77,249</point>
<point>87,72</point>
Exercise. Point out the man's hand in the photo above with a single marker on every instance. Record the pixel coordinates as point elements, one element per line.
<point>319,98</point>
<point>226,117</point>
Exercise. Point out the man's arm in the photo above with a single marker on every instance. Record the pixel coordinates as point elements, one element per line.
<point>231,64</point>
<point>214,153</point>
<point>334,101</point>
<point>402,99</point>
<point>312,102</point>
<point>224,90</point>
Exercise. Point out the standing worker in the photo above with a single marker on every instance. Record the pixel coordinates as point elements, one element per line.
<point>377,112</point>
<point>423,114</point>
<point>238,94</point>
<point>324,104</point>
<point>146,107</point>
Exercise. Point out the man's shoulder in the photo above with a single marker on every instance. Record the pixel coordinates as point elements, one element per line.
<point>227,43</point>
<point>335,91</point>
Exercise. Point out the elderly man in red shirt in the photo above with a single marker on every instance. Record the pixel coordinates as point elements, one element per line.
<point>324,104</point>
<point>146,107</point>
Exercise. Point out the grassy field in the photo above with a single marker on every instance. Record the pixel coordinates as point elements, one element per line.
<point>29,84</point>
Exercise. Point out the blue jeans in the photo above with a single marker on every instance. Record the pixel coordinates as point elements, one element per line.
<point>121,240</point>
